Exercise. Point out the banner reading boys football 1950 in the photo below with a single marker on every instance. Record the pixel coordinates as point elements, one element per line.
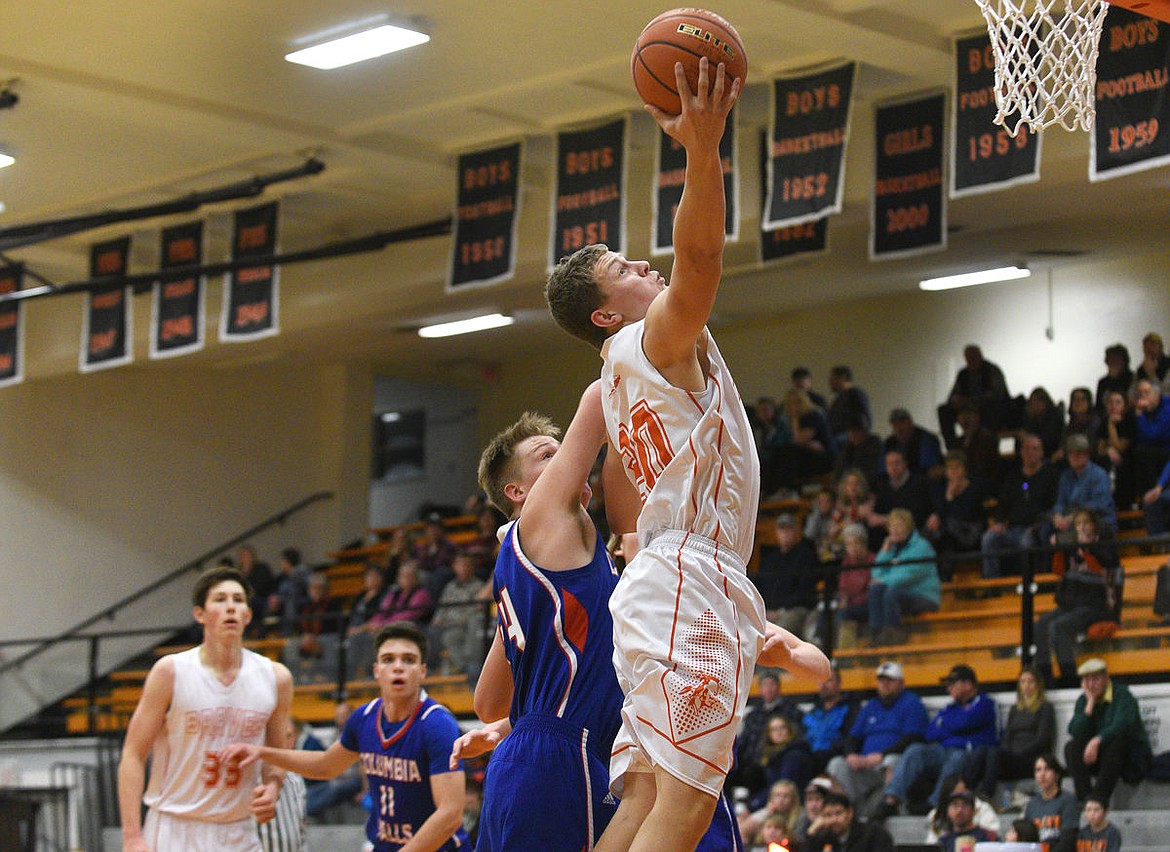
<point>176,326</point>
<point>108,317</point>
<point>11,328</point>
<point>668,186</point>
<point>251,295</point>
<point>589,200</point>
<point>483,250</point>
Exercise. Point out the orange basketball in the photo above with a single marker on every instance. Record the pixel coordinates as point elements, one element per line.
<point>683,35</point>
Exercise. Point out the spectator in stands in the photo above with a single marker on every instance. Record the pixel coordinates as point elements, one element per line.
<point>811,819</point>
<point>1052,810</point>
<point>818,525</point>
<point>290,591</point>
<point>1044,418</point>
<point>398,549</point>
<point>760,708</point>
<point>1115,444</point>
<point>1098,834</point>
<point>1025,500</point>
<point>802,381</point>
<point>854,504</point>
<point>853,586</point>
<point>311,654</point>
<point>783,755</point>
<point>1083,419</point>
<point>1107,738</point>
<point>827,722</point>
<point>788,578</point>
<point>360,626</point>
<point>957,522</point>
<point>1087,594</point>
<point>963,833</point>
<point>771,432</point>
<point>883,729</point>
<point>1152,448</point>
<point>860,449</point>
<point>1118,376</point>
<point>844,833</point>
<point>981,446</point>
<point>259,575</point>
<point>968,722</point>
<point>904,580</point>
<point>459,621</point>
<point>407,599</point>
<point>783,804</point>
<point>899,488</point>
<point>938,821</point>
<point>483,548</point>
<point>1156,504</point>
<point>921,448</point>
<point>981,385</point>
<point>1155,362</point>
<point>1082,485</point>
<point>812,450</point>
<point>1029,732</point>
<point>434,554</point>
<point>850,405</point>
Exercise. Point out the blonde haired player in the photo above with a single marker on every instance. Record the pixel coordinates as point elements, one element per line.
<point>688,624</point>
<point>193,704</point>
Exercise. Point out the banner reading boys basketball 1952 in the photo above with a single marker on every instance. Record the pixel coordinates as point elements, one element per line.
<point>251,295</point>
<point>176,326</point>
<point>11,328</point>
<point>791,240</point>
<point>668,186</point>
<point>108,318</point>
<point>1132,129</point>
<point>483,250</point>
<point>589,202</point>
<point>909,205</point>
<point>806,160</point>
<point>984,155</point>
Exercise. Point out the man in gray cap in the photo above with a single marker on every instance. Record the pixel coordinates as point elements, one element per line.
<point>788,577</point>
<point>1107,737</point>
<point>1082,485</point>
<point>923,451</point>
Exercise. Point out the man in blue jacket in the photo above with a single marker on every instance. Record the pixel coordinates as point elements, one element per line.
<point>968,722</point>
<point>884,728</point>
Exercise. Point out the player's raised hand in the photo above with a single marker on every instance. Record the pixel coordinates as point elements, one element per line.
<point>477,742</point>
<point>704,112</point>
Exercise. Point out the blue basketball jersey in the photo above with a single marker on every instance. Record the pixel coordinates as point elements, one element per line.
<point>399,759</point>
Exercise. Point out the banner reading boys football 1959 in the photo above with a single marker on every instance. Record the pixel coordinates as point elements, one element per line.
<point>251,295</point>
<point>483,250</point>
<point>589,201</point>
<point>668,186</point>
<point>806,160</point>
<point>1132,129</point>
<point>176,326</point>
<point>11,328</point>
<point>108,317</point>
<point>909,205</point>
<point>984,156</point>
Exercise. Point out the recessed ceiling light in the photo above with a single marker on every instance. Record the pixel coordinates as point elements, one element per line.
<point>357,47</point>
<point>447,329</point>
<point>5,160</point>
<point>970,279</point>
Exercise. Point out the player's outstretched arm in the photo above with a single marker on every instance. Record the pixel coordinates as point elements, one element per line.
<point>493,690</point>
<point>318,765</point>
<point>480,741</point>
<point>784,650</point>
<point>144,727</point>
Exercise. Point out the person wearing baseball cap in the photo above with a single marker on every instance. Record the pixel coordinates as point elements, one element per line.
<point>1082,485</point>
<point>842,832</point>
<point>884,728</point>
<point>964,833</point>
<point>922,449</point>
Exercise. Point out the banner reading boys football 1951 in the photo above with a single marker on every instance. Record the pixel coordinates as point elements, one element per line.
<point>483,250</point>
<point>11,328</point>
<point>589,200</point>
<point>108,317</point>
<point>176,326</point>
<point>251,295</point>
<point>668,186</point>
<point>909,204</point>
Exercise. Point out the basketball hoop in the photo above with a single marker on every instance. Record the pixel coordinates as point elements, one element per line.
<point>1045,61</point>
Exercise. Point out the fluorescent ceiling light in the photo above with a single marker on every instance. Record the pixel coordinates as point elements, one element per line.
<point>970,279</point>
<point>357,47</point>
<point>446,329</point>
<point>5,160</point>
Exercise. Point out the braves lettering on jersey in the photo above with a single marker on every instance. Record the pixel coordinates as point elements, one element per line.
<point>399,759</point>
<point>187,779</point>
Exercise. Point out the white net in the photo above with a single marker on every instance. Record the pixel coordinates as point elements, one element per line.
<point>1045,61</point>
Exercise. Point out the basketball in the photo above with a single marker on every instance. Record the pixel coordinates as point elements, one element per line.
<point>683,35</point>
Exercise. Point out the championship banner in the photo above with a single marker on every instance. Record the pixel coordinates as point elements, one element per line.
<point>806,157</point>
<point>251,295</point>
<point>909,205</point>
<point>176,326</point>
<point>668,186</point>
<point>1132,130</point>
<point>11,328</point>
<point>791,240</point>
<point>488,208</point>
<point>984,156</point>
<point>105,328</point>
<point>589,202</point>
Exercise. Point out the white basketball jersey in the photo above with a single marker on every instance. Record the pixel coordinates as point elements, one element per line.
<point>691,455</point>
<point>186,777</point>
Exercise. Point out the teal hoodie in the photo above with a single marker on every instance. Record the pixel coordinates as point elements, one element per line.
<point>917,577</point>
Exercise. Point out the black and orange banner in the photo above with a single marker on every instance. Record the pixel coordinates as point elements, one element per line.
<point>488,208</point>
<point>909,204</point>
<point>176,326</point>
<point>984,156</point>
<point>589,202</point>
<point>1132,130</point>
<point>806,157</point>
<point>251,295</point>
<point>11,328</point>
<point>668,186</point>
<point>108,319</point>
<point>791,240</point>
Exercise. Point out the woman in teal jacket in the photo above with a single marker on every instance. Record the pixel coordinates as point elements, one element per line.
<point>904,580</point>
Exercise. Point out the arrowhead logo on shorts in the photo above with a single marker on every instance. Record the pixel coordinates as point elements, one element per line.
<point>700,691</point>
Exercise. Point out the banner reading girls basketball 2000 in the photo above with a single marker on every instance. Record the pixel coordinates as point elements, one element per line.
<point>251,295</point>
<point>11,328</point>
<point>1132,130</point>
<point>589,202</point>
<point>668,186</point>
<point>484,248</point>
<point>176,326</point>
<point>108,318</point>
<point>984,156</point>
<point>909,205</point>
<point>806,157</point>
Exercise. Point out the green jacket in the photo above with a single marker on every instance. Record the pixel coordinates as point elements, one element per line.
<point>1120,717</point>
